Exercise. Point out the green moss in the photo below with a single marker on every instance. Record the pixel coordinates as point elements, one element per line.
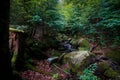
<point>107,70</point>
<point>55,76</point>
<point>114,54</point>
<point>74,41</point>
<point>86,62</point>
<point>111,73</point>
<point>56,53</point>
<point>84,43</point>
<point>66,59</point>
<point>14,59</point>
<point>75,67</point>
<point>103,66</point>
<point>15,30</point>
<point>83,48</point>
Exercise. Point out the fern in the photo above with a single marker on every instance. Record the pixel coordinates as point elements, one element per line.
<point>88,73</point>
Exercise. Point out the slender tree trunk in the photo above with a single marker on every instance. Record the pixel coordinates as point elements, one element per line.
<point>5,61</point>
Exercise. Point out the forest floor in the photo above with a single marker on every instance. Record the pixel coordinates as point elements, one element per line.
<point>58,72</point>
<point>45,71</point>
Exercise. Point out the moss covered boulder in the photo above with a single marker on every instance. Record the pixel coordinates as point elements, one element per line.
<point>76,57</point>
<point>83,43</point>
<point>106,71</point>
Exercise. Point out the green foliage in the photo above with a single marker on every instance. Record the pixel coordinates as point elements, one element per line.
<point>84,44</point>
<point>103,66</point>
<point>105,69</point>
<point>74,41</point>
<point>86,62</point>
<point>39,46</point>
<point>36,11</point>
<point>54,19</point>
<point>74,67</point>
<point>114,54</point>
<point>36,19</point>
<point>30,60</point>
<point>104,23</point>
<point>51,41</point>
<point>111,73</point>
<point>66,9</point>
<point>55,76</point>
<point>80,17</point>
<point>88,73</point>
<point>98,19</point>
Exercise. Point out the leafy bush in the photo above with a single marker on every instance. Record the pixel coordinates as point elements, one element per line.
<point>104,23</point>
<point>111,73</point>
<point>55,76</point>
<point>88,73</point>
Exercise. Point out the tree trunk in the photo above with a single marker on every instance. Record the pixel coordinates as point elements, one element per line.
<point>5,61</point>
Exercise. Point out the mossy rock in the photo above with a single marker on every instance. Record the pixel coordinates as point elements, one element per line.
<point>82,48</point>
<point>83,43</point>
<point>111,73</point>
<point>75,67</point>
<point>76,57</point>
<point>104,68</point>
<point>114,54</point>
<point>86,62</point>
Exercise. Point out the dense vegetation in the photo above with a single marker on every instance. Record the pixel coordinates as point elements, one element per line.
<point>95,19</point>
<point>48,22</point>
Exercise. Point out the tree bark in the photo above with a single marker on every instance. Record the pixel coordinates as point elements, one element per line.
<point>5,61</point>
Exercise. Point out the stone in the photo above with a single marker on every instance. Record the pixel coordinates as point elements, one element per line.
<point>76,57</point>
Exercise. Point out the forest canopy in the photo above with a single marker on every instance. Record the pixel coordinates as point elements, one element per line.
<point>97,20</point>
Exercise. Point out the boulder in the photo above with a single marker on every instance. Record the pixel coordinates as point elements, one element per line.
<point>76,57</point>
<point>82,43</point>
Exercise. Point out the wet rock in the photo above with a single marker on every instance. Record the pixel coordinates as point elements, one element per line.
<point>52,60</point>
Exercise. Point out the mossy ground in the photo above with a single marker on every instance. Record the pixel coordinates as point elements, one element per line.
<point>114,54</point>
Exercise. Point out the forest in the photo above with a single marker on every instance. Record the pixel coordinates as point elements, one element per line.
<point>60,40</point>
